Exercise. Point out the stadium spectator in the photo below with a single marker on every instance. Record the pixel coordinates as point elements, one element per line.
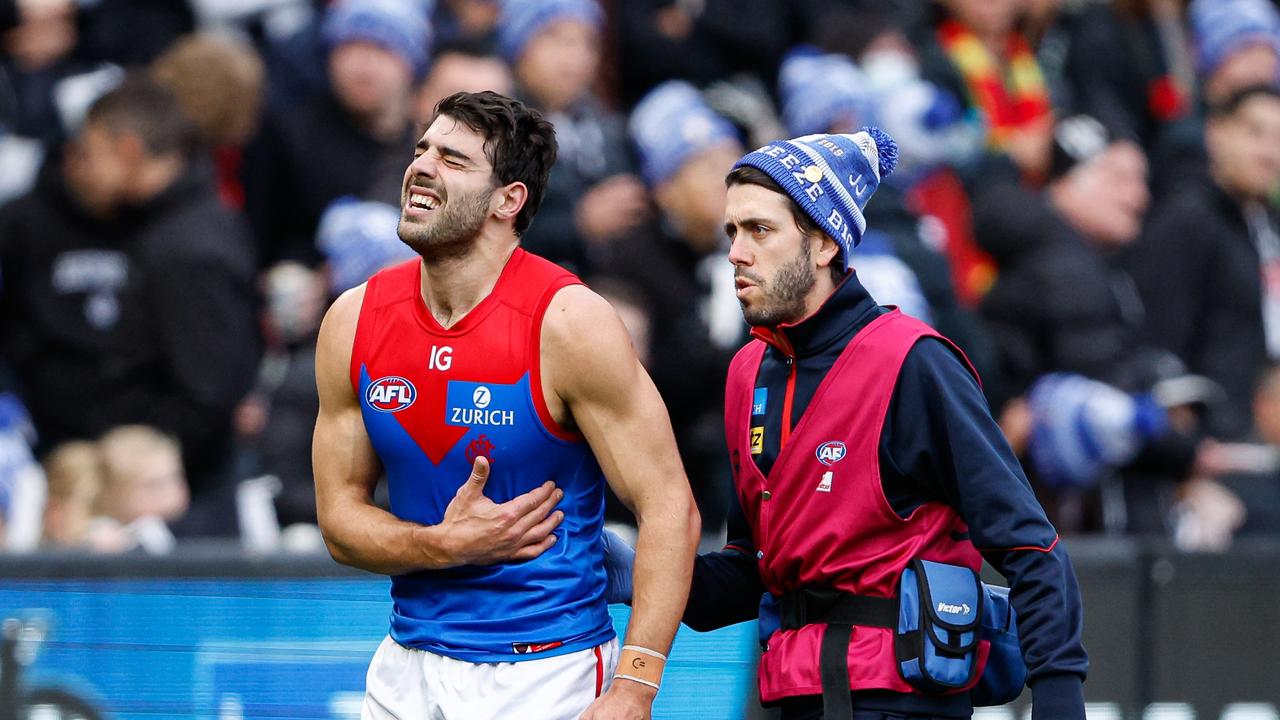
<point>1063,304</point>
<point>116,493</point>
<point>592,197</point>
<point>278,418</point>
<point>976,52</point>
<point>1255,476</point>
<point>219,80</point>
<point>460,66</point>
<point>74,473</point>
<point>1207,262</point>
<point>700,42</point>
<point>186,360</point>
<point>132,33</point>
<point>144,488</point>
<point>1126,63</point>
<point>334,145</point>
<point>677,262</point>
<point>466,20</point>
<point>64,268</point>
<point>48,81</point>
<point>1237,45</point>
<point>1058,304</point>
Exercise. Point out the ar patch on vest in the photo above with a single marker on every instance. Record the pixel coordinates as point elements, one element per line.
<point>757,440</point>
<point>759,401</point>
<point>472,404</point>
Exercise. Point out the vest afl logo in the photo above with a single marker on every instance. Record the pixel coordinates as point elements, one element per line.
<point>831,452</point>
<point>390,394</point>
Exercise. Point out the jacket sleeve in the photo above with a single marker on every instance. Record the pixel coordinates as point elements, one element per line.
<point>726,585</point>
<point>940,443</point>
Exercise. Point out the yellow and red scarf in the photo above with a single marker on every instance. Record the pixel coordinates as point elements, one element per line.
<point>1012,97</point>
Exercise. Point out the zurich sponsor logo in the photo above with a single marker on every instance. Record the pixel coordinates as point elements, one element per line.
<point>480,405</point>
<point>831,452</point>
<point>390,394</point>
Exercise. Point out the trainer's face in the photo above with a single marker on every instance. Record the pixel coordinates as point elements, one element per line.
<point>774,263</point>
<point>448,190</point>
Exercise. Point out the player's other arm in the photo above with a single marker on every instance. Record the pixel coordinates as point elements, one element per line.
<point>474,530</point>
<point>595,372</point>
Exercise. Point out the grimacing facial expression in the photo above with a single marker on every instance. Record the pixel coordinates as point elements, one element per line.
<point>774,269</point>
<point>448,190</point>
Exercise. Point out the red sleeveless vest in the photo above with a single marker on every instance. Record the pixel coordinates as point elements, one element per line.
<point>820,518</point>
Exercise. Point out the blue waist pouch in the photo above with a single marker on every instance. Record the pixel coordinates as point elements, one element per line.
<point>943,613</point>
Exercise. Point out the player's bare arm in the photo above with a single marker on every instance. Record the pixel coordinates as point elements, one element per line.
<point>474,530</point>
<point>592,377</point>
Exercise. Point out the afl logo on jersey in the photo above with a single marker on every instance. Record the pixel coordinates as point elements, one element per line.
<point>390,394</point>
<point>831,452</point>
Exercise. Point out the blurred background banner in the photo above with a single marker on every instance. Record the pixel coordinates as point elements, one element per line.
<point>139,639</point>
<point>207,635</point>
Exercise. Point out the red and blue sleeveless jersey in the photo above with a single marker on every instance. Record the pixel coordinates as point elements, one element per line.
<point>432,400</point>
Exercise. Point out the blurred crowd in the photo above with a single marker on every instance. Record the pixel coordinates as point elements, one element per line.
<point>1086,202</point>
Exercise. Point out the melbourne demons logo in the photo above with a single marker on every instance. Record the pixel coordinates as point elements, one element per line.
<point>390,394</point>
<point>831,452</point>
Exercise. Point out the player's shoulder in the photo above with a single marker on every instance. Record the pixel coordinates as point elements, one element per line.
<point>586,351</point>
<point>577,309</point>
<point>339,324</point>
<point>581,329</point>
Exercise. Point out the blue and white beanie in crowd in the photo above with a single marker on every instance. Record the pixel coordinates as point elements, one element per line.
<point>672,124</point>
<point>1222,27</point>
<point>821,93</point>
<point>520,20</point>
<point>1082,428</point>
<point>358,238</point>
<point>401,26</point>
<point>831,177</point>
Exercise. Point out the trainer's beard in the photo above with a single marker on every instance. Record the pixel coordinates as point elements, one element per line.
<point>785,294</point>
<point>453,232</point>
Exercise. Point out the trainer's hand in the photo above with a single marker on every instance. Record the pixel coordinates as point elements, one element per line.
<point>625,700</point>
<point>482,532</point>
<point>619,561</point>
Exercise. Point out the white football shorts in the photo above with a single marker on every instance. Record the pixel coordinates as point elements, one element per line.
<point>408,684</point>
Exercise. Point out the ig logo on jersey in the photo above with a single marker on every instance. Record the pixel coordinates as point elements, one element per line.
<point>831,452</point>
<point>390,394</point>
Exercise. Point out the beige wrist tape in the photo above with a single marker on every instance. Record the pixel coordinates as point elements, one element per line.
<point>641,665</point>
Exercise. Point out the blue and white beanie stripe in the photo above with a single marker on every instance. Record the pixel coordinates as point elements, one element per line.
<point>520,20</point>
<point>831,177</point>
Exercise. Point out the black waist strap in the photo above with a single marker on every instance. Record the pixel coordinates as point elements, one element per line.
<point>807,606</point>
<point>840,611</point>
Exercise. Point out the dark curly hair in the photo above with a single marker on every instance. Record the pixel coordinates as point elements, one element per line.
<point>519,143</point>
